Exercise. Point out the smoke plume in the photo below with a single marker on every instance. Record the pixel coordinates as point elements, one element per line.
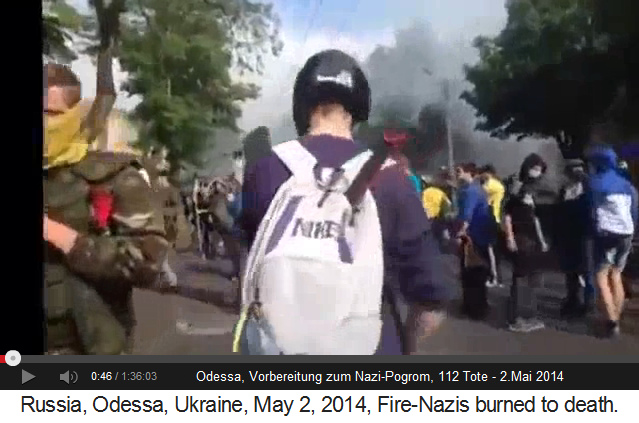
<point>409,75</point>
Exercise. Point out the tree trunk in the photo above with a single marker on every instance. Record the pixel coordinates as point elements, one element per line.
<point>108,14</point>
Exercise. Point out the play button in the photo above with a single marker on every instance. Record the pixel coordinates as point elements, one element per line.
<point>26,376</point>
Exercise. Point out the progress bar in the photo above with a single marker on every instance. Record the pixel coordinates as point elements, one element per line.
<point>12,358</point>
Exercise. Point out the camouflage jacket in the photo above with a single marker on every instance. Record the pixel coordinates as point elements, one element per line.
<point>166,194</point>
<point>89,290</point>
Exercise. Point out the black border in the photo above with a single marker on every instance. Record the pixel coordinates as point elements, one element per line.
<point>286,376</point>
<point>22,294</point>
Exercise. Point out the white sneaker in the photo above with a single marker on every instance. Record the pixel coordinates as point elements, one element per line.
<point>183,326</point>
<point>535,324</point>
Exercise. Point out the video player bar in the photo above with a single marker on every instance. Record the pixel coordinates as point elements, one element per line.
<point>257,376</point>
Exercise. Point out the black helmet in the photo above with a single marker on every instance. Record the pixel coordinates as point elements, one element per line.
<point>330,76</point>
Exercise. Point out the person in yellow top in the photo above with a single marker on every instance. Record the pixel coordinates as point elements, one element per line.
<point>437,206</point>
<point>495,192</point>
<point>436,202</point>
<point>494,189</point>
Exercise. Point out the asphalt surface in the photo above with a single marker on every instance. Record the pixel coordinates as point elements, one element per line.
<point>200,320</point>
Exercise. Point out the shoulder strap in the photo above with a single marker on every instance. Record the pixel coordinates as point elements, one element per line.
<point>360,172</point>
<point>145,175</point>
<point>297,158</point>
<point>354,166</point>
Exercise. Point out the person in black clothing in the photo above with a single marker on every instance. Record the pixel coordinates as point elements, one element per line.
<point>525,241</point>
<point>572,239</point>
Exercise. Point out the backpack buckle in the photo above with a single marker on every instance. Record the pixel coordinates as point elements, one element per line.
<point>335,177</point>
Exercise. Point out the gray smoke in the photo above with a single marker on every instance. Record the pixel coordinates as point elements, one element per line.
<point>410,74</point>
<point>413,74</point>
<point>216,161</point>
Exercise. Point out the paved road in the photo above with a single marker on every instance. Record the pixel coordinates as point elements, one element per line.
<point>212,321</point>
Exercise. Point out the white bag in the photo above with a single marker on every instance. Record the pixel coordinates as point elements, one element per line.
<point>316,270</point>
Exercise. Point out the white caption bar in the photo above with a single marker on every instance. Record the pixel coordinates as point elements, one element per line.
<point>317,406</point>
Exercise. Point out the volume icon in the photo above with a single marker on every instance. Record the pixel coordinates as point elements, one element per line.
<point>69,377</point>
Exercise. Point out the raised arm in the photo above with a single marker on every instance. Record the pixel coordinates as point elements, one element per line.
<point>96,119</point>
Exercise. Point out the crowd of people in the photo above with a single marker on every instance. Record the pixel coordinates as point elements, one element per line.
<point>589,223</point>
<point>106,232</point>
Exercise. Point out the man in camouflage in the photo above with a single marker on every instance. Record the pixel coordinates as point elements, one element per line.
<point>167,200</point>
<point>159,170</point>
<point>90,272</point>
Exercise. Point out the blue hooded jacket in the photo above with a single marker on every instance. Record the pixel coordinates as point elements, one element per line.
<point>612,198</point>
<point>473,208</point>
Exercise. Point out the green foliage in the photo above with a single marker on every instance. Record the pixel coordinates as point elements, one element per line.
<point>617,18</point>
<point>59,22</point>
<point>550,72</point>
<point>179,56</point>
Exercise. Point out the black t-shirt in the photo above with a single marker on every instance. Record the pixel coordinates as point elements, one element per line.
<point>520,206</point>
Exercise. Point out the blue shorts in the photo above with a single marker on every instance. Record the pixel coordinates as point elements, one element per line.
<point>611,251</point>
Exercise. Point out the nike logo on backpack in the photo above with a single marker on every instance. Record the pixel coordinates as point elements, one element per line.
<point>318,230</point>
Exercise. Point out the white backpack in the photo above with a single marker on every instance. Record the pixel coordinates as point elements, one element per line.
<point>316,268</point>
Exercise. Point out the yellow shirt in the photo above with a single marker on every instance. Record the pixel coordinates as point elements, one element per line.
<point>436,203</point>
<point>495,191</point>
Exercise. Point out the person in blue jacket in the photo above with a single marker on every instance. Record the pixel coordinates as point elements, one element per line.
<point>614,213</point>
<point>478,225</point>
<point>475,214</point>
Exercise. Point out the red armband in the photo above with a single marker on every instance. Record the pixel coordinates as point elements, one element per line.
<point>102,203</point>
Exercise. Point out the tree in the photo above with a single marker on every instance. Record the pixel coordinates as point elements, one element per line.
<point>548,73</point>
<point>179,56</point>
<point>60,22</point>
<point>619,20</point>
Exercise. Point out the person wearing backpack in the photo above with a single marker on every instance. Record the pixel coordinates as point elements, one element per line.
<point>614,212</point>
<point>322,259</point>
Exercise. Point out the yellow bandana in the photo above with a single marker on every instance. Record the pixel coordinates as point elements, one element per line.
<point>65,142</point>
